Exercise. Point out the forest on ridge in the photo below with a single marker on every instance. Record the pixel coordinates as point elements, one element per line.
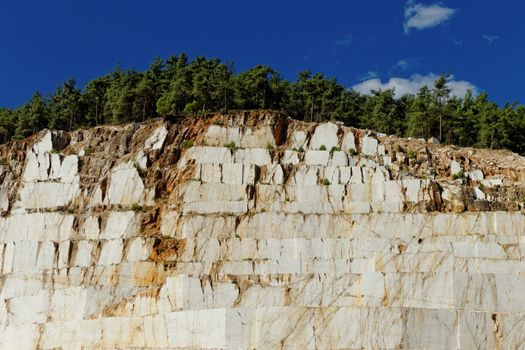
<point>179,86</point>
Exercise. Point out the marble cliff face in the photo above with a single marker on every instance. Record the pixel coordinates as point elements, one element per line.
<point>252,230</point>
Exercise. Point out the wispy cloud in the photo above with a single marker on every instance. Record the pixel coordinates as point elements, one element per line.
<point>490,38</point>
<point>457,42</point>
<point>411,85</point>
<point>402,64</point>
<point>346,40</point>
<point>309,54</point>
<point>369,75</point>
<point>421,16</point>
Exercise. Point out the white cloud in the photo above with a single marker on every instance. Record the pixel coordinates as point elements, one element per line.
<point>404,86</point>
<point>490,38</point>
<point>345,40</point>
<point>420,16</point>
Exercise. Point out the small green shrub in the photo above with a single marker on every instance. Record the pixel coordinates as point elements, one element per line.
<point>231,145</point>
<point>269,146</point>
<point>137,208</point>
<point>411,154</point>
<point>335,149</point>
<point>458,175</point>
<point>301,149</point>
<point>191,107</point>
<point>87,151</point>
<point>322,148</point>
<point>352,151</point>
<point>186,144</point>
<point>325,182</point>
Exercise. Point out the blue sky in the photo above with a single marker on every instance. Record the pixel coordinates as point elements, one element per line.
<point>364,44</point>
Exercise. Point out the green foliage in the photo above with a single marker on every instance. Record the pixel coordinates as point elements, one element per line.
<point>259,87</point>
<point>32,117</point>
<point>352,151</point>
<point>87,151</point>
<point>231,146</point>
<point>459,175</point>
<point>7,124</point>
<point>335,149</point>
<point>186,144</point>
<point>325,182</point>
<point>177,86</point>
<point>66,107</point>
<point>411,155</point>
<point>322,148</point>
<point>269,146</point>
<point>137,208</point>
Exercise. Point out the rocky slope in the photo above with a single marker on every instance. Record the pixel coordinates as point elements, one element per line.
<point>251,230</point>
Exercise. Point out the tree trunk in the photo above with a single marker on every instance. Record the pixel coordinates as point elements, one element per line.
<point>321,113</point>
<point>440,121</point>
<point>96,113</point>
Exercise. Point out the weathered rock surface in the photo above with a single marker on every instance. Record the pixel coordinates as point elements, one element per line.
<point>123,237</point>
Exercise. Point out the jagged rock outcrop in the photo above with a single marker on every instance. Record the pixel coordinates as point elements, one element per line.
<point>252,230</point>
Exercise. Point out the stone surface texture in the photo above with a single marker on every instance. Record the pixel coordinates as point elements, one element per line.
<point>121,237</point>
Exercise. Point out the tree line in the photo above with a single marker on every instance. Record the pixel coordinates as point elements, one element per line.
<point>179,86</point>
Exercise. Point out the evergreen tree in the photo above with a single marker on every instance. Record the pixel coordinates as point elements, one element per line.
<point>66,107</point>
<point>176,86</point>
<point>32,117</point>
<point>120,97</point>
<point>258,88</point>
<point>440,92</point>
<point>420,119</point>
<point>7,124</point>
<point>384,113</point>
<point>94,100</point>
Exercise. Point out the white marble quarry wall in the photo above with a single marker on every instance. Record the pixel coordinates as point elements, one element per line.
<point>322,242</point>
